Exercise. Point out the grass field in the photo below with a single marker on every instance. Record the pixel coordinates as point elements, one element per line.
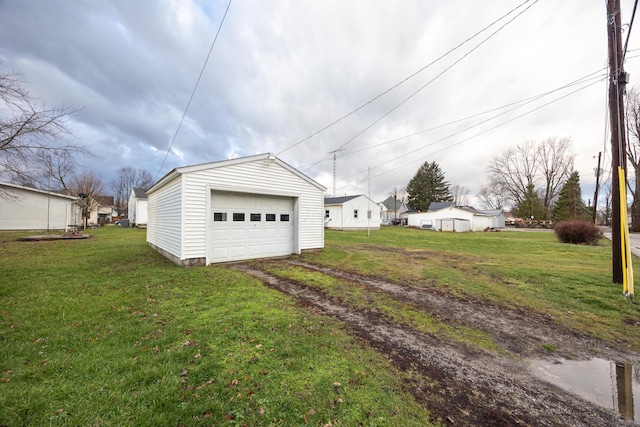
<point>105,331</point>
<point>526,270</point>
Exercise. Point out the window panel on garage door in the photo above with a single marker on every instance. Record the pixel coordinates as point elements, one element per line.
<point>255,226</point>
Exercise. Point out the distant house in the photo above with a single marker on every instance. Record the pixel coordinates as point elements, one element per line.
<point>138,212</point>
<point>443,216</point>
<point>230,210</point>
<point>351,213</point>
<point>394,211</point>
<point>103,210</point>
<point>24,208</point>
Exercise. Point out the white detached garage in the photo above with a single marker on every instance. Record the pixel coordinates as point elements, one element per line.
<point>251,207</point>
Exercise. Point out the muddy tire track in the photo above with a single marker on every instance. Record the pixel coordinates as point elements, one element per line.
<point>519,332</point>
<point>463,388</point>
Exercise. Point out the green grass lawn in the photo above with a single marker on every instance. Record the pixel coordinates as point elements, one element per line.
<point>105,331</point>
<point>530,270</point>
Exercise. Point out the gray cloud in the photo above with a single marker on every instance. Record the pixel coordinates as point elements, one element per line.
<point>281,70</point>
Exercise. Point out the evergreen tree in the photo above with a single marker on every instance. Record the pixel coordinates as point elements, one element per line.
<point>426,186</point>
<point>570,204</point>
<point>530,207</point>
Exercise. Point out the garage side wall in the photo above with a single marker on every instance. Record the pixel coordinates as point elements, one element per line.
<point>482,222</point>
<point>26,210</point>
<point>164,228</point>
<point>259,176</point>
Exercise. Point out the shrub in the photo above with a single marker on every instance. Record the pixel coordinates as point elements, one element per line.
<point>578,232</point>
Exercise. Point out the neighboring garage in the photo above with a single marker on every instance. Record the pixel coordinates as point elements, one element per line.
<point>26,208</point>
<point>251,207</point>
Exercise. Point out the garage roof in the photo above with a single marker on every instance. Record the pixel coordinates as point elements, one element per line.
<point>222,163</point>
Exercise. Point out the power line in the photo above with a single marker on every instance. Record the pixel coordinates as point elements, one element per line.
<point>435,78</point>
<point>463,140</point>
<point>515,105</point>
<point>596,75</point>
<point>194,89</point>
<point>424,86</point>
<point>403,80</point>
<point>626,43</point>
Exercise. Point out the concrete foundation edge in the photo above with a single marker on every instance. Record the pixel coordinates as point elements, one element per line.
<point>190,262</point>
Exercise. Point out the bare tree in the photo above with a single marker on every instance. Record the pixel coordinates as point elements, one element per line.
<point>545,166</point>
<point>87,186</point>
<point>128,177</point>
<point>30,132</point>
<point>513,170</point>
<point>633,153</point>
<point>400,194</point>
<point>460,195</point>
<point>605,212</point>
<point>556,165</point>
<point>51,170</point>
<point>493,197</point>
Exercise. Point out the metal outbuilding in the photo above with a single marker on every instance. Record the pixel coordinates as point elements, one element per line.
<point>244,208</point>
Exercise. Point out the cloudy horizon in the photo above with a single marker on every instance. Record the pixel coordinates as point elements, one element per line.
<point>404,82</point>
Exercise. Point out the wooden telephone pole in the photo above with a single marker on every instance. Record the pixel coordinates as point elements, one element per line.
<point>617,83</point>
<point>594,218</point>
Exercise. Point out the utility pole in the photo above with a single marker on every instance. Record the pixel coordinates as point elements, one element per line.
<point>617,82</point>
<point>334,170</point>
<point>369,206</point>
<point>595,194</point>
<point>395,206</point>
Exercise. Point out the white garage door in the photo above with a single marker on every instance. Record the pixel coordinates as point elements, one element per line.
<point>248,226</point>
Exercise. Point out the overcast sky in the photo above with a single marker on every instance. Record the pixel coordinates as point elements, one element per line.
<point>281,70</point>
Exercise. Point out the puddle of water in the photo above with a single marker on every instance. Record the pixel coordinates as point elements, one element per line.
<point>613,385</point>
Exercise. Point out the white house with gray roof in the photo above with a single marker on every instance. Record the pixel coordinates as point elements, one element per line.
<point>137,207</point>
<point>394,211</point>
<point>351,213</point>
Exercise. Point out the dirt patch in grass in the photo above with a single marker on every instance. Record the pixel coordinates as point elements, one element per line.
<point>46,237</point>
<point>459,384</point>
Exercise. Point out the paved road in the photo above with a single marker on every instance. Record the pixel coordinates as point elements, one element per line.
<point>634,239</point>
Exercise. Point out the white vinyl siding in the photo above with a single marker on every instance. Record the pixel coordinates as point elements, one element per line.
<point>30,209</point>
<point>257,177</point>
<point>165,218</point>
<point>476,221</point>
<point>138,210</point>
<point>343,216</point>
<point>179,205</point>
<point>141,212</point>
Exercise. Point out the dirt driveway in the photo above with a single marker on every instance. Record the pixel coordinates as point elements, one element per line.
<point>459,384</point>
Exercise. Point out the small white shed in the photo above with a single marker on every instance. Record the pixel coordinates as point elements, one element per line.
<point>451,218</point>
<point>250,207</point>
<point>351,213</point>
<point>24,208</point>
<point>137,207</point>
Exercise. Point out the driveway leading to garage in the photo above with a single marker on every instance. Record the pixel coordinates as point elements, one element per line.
<point>462,384</point>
